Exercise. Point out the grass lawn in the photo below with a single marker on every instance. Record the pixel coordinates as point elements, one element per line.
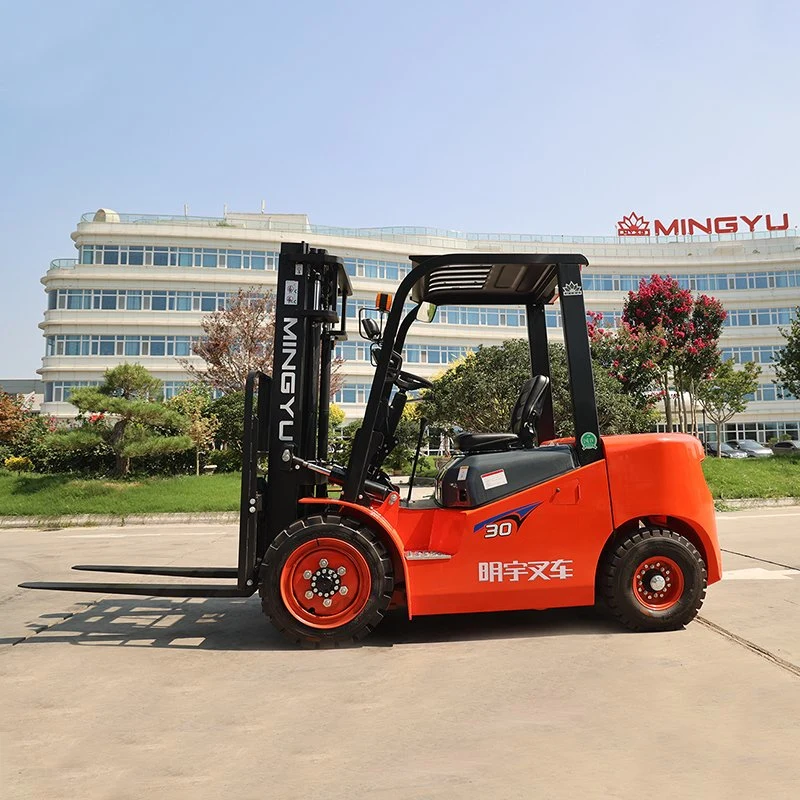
<point>34,495</point>
<point>730,478</point>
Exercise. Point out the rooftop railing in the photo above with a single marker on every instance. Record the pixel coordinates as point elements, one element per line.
<point>63,263</point>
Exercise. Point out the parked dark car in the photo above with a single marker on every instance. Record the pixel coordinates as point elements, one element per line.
<point>751,448</point>
<point>788,448</point>
<point>727,451</point>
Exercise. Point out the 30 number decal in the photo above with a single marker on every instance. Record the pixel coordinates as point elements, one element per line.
<point>505,528</point>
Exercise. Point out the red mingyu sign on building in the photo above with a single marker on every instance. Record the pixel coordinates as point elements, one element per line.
<point>636,225</point>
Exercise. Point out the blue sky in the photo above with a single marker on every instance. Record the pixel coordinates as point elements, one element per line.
<point>505,116</point>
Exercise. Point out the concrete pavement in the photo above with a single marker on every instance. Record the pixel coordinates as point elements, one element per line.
<point>119,697</point>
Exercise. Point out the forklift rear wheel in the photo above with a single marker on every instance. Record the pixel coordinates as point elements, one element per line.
<point>654,580</point>
<point>326,579</point>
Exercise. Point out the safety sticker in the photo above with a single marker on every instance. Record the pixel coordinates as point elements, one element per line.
<point>290,293</point>
<point>514,571</point>
<point>462,472</point>
<point>493,479</point>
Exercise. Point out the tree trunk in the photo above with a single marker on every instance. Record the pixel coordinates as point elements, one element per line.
<point>685,409</point>
<point>122,464</point>
<point>684,412</point>
<point>197,461</point>
<point>718,426</point>
<point>667,404</point>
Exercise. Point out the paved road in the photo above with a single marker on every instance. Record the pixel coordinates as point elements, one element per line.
<point>115,697</point>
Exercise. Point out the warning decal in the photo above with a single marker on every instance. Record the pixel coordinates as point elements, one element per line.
<point>493,479</point>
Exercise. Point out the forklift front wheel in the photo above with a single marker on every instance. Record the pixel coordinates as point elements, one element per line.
<point>654,580</point>
<point>326,579</point>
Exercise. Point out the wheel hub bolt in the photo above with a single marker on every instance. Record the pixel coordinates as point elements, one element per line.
<point>341,571</point>
<point>343,590</point>
<point>307,574</point>
<point>309,595</point>
<point>327,602</point>
<point>323,562</point>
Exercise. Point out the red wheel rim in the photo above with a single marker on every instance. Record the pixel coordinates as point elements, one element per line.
<point>658,583</point>
<point>312,580</point>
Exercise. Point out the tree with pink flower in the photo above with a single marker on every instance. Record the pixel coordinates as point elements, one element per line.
<point>665,345</point>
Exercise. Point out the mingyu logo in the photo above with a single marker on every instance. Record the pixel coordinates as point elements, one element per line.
<point>572,289</point>
<point>633,225</point>
<point>288,380</point>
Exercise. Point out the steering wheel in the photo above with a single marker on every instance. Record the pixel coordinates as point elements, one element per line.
<point>408,382</point>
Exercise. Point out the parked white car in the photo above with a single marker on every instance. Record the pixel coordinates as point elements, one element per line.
<point>726,451</point>
<point>788,448</point>
<point>750,446</point>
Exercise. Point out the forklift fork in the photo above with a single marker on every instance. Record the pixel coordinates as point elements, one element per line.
<point>252,513</point>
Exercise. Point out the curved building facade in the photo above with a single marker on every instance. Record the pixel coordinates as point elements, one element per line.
<point>141,284</point>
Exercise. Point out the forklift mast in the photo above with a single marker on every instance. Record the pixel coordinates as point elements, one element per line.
<point>310,317</point>
<point>286,420</point>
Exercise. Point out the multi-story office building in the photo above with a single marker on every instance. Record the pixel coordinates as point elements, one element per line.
<point>141,284</point>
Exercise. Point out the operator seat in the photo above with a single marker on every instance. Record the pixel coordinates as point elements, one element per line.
<point>523,422</point>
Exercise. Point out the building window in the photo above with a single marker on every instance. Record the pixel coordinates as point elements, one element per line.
<point>769,392</point>
<point>59,391</point>
<point>137,300</point>
<point>109,345</point>
<point>157,256</point>
<point>699,282</point>
<point>376,269</point>
<point>412,354</point>
<point>353,393</point>
<point>762,431</point>
<point>741,317</point>
<point>172,388</point>
<point>761,354</point>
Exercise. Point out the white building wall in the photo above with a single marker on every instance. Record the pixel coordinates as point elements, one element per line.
<point>716,255</point>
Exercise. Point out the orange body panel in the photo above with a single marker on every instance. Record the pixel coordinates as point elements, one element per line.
<point>540,547</point>
<point>654,475</point>
<point>546,561</point>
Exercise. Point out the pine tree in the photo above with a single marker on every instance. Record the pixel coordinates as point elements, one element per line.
<point>129,415</point>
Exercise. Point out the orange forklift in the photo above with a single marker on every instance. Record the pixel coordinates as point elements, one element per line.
<point>519,519</point>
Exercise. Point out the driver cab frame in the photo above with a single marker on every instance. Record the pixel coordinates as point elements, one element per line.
<point>531,280</point>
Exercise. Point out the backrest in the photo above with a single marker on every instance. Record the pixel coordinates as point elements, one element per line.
<point>528,407</point>
<point>519,406</point>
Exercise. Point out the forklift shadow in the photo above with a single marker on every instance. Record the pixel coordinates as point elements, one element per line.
<point>175,623</point>
<point>238,625</point>
<point>396,629</point>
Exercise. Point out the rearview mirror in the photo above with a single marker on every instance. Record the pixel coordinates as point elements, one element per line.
<point>370,329</point>
<point>427,312</point>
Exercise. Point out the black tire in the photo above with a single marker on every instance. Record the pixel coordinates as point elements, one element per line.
<point>354,534</point>
<point>637,608</point>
